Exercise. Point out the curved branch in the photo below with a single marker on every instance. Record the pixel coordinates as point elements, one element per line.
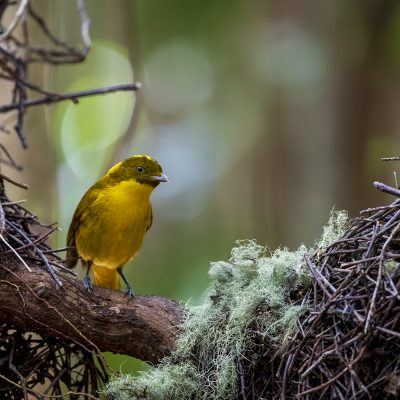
<point>14,22</point>
<point>145,327</point>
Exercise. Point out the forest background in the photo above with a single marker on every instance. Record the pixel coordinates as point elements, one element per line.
<point>265,115</point>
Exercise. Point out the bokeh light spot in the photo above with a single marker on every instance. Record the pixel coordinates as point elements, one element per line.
<point>179,77</point>
<point>87,130</point>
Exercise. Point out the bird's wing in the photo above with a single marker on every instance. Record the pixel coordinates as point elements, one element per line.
<point>88,198</point>
<point>150,219</point>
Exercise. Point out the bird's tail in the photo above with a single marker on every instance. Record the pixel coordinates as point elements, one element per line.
<point>105,277</point>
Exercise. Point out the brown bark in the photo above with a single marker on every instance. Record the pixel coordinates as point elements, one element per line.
<point>144,327</point>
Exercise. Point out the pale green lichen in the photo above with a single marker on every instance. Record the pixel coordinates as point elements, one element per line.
<point>337,224</point>
<point>391,265</point>
<point>250,289</point>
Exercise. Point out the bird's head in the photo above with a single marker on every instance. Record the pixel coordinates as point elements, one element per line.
<point>141,168</point>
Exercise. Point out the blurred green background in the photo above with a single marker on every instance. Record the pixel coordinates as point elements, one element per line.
<point>264,114</point>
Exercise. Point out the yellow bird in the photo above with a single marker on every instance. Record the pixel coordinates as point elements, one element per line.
<point>109,224</point>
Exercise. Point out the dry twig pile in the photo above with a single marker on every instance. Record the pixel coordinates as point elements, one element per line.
<point>347,345</point>
<point>30,363</point>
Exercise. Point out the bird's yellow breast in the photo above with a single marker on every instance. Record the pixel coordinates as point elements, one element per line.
<point>112,227</point>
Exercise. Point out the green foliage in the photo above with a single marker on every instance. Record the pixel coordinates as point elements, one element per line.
<point>250,290</point>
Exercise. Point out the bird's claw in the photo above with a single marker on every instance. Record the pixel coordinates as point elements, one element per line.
<point>129,292</point>
<point>87,284</point>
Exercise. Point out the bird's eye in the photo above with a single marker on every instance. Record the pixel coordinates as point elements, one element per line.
<point>139,168</point>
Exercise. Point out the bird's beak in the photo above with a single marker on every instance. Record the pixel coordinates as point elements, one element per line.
<point>161,178</point>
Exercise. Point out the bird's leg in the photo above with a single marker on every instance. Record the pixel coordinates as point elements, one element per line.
<point>86,280</point>
<point>129,290</point>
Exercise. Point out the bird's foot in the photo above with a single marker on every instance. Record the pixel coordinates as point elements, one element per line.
<point>87,284</point>
<point>129,292</point>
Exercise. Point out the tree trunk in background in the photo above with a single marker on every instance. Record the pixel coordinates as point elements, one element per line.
<point>39,160</point>
<point>362,112</point>
<point>324,154</point>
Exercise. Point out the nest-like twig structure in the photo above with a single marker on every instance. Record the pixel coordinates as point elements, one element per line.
<point>36,366</point>
<point>347,345</point>
<point>29,363</point>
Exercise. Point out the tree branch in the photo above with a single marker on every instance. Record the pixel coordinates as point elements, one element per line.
<point>74,96</point>
<point>387,189</point>
<point>145,327</point>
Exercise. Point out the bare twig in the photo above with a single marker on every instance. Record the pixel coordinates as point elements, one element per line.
<point>85,23</point>
<point>17,53</point>
<point>390,158</point>
<point>387,189</point>
<point>8,179</point>
<point>15,252</point>
<point>74,96</point>
<point>18,15</point>
<point>2,220</point>
<point>370,210</point>
<point>69,53</point>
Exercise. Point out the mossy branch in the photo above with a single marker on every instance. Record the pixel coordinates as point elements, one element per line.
<point>144,327</point>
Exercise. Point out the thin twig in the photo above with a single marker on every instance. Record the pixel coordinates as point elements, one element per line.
<point>390,158</point>
<point>85,24</point>
<point>74,96</point>
<point>8,179</point>
<point>2,226</point>
<point>370,210</point>
<point>17,16</point>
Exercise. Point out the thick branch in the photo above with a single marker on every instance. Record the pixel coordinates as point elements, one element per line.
<point>144,327</point>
